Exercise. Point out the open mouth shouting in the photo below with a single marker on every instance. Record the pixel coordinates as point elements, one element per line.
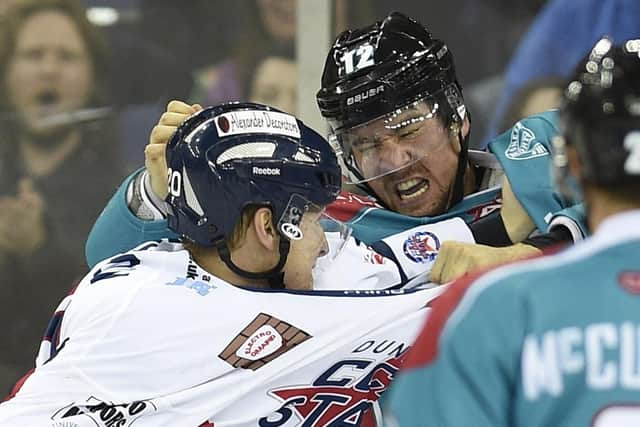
<point>412,188</point>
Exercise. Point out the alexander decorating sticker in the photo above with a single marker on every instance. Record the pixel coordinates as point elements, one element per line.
<point>250,121</point>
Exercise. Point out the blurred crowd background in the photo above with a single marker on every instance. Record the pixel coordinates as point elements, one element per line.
<point>83,82</point>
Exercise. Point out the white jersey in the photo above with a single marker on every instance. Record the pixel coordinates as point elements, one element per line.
<point>151,339</point>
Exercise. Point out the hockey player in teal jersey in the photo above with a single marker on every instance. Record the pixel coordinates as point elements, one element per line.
<point>397,116</point>
<point>553,341</point>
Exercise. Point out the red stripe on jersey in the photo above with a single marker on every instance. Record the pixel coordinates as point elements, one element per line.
<point>206,424</point>
<point>16,388</point>
<point>348,205</point>
<point>425,348</point>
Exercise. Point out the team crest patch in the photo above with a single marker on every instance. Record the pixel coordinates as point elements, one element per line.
<point>421,247</point>
<point>264,339</point>
<point>523,144</point>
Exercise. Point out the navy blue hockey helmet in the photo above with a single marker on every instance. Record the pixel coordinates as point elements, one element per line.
<point>226,158</point>
<point>600,115</point>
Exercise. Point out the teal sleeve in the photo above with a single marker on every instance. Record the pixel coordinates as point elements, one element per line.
<point>525,155</point>
<point>118,230</point>
<point>471,380</point>
<point>574,219</point>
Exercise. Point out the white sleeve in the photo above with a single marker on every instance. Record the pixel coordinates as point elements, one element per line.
<point>402,259</point>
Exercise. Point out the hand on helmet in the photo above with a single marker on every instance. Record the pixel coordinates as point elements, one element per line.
<point>456,259</point>
<point>154,153</point>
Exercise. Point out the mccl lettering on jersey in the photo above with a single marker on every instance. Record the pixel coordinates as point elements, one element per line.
<point>605,353</point>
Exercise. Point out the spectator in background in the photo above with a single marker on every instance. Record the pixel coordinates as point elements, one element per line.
<point>561,34</point>
<point>269,29</point>
<point>535,97</point>
<point>58,164</point>
<point>266,45</point>
<point>275,83</point>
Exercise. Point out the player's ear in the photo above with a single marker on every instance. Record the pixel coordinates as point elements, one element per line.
<point>265,230</point>
<point>455,129</point>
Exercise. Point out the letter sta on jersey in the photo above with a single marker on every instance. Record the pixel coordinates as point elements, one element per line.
<point>607,354</point>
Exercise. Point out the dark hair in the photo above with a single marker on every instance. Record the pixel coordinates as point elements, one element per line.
<point>22,10</point>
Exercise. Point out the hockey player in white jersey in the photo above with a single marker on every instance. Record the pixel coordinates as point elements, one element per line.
<point>223,329</point>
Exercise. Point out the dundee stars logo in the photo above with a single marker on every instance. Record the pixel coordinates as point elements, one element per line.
<point>422,247</point>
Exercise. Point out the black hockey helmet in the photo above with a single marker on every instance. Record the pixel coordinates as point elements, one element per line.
<point>376,71</point>
<point>600,115</point>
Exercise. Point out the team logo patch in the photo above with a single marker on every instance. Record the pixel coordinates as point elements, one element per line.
<point>630,281</point>
<point>264,339</point>
<point>523,144</point>
<point>422,247</point>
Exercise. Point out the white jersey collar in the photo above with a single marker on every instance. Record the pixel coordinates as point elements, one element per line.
<point>619,227</point>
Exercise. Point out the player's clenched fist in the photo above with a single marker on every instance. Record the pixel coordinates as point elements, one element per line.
<point>456,259</point>
<point>154,153</point>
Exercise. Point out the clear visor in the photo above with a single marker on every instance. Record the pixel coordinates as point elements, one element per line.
<point>303,219</point>
<point>392,142</point>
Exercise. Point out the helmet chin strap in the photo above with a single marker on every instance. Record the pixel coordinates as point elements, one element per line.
<point>274,277</point>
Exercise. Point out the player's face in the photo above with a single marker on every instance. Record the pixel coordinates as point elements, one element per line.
<point>50,71</point>
<point>409,159</point>
<point>304,253</point>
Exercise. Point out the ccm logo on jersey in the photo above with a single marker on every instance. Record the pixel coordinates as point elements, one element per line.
<point>266,171</point>
<point>264,339</point>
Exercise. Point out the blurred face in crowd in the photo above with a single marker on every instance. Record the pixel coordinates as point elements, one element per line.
<point>50,71</point>
<point>275,84</point>
<point>279,18</point>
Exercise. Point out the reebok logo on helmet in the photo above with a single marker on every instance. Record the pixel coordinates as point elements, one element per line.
<point>265,171</point>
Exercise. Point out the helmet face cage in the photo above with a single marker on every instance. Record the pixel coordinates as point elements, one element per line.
<point>229,157</point>
<point>600,115</point>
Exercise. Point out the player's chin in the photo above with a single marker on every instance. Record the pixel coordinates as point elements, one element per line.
<point>299,281</point>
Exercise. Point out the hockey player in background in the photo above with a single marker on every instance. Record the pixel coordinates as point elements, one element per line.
<point>391,96</point>
<point>221,329</point>
<point>552,341</point>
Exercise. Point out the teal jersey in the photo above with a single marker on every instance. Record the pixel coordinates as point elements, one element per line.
<point>549,342</point>
<point>525,155</point>
<point>523,152</point>
<point>118,230</point>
